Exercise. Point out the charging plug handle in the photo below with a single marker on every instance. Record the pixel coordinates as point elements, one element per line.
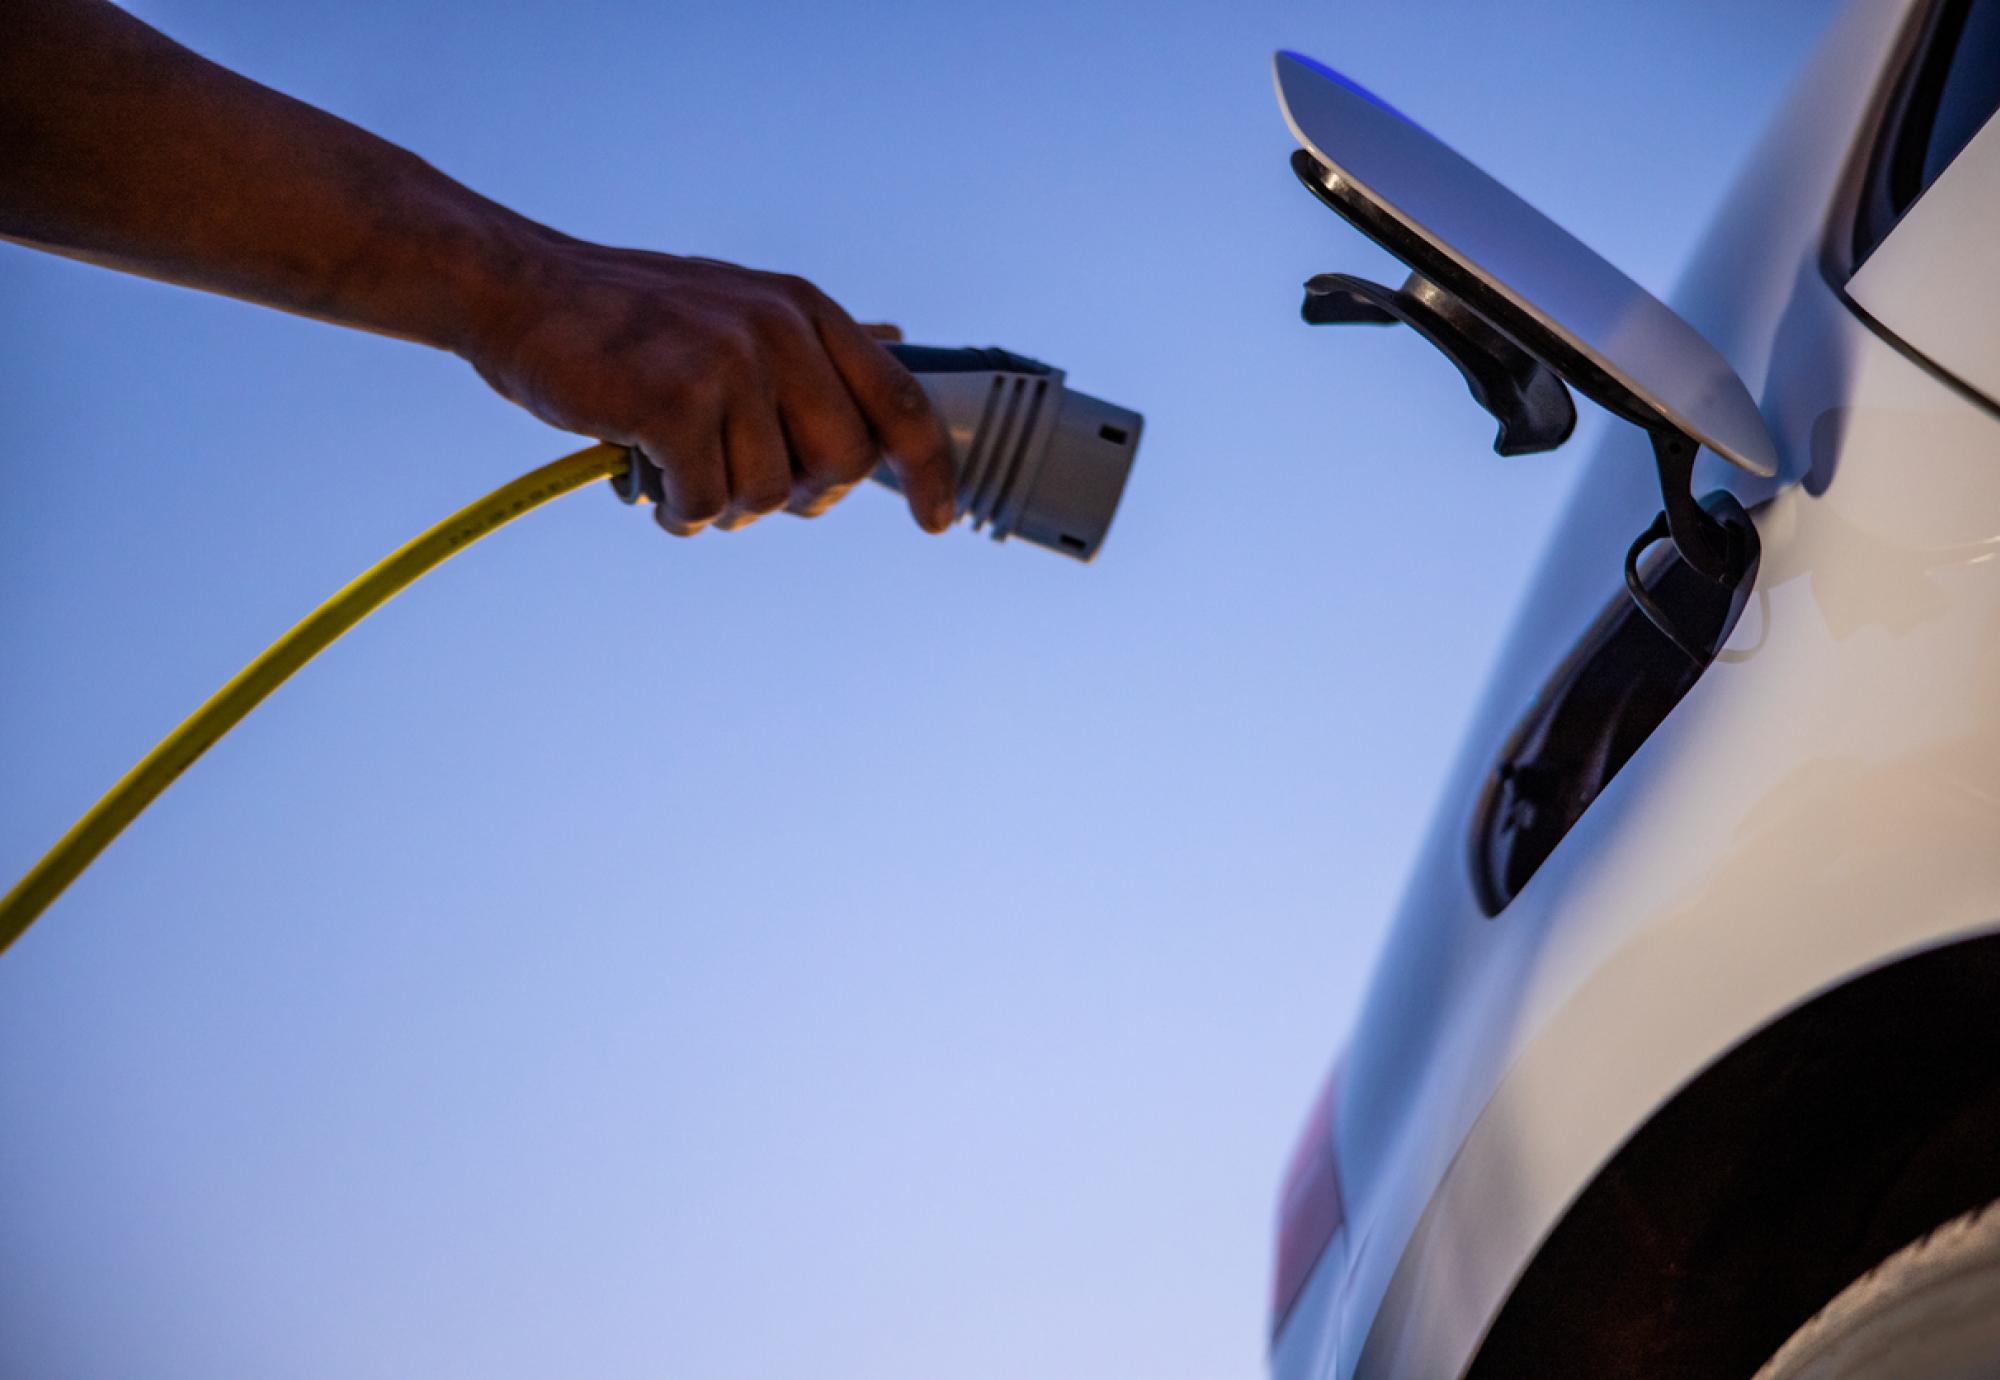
<point>1525,396</point>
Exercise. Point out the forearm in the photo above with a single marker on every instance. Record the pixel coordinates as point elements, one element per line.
<point>121,147</point>
<point>748,391</point>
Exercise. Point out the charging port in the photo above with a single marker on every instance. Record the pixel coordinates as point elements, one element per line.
<point>1638,660</point>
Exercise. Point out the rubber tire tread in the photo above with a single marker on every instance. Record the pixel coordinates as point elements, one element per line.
<point>1919,1290</point>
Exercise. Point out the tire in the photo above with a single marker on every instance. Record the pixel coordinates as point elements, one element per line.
<point>1931,1311</point>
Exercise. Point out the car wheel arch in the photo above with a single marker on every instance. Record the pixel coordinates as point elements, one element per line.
<point>1832,1135</point>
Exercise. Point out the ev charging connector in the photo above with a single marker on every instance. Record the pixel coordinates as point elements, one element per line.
<point>1034,458</point>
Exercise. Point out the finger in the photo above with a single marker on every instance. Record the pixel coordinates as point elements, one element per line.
<point>811,505</point>
<point>901,418</point>
<point>758,461</point>
<point>694,481</point>
<point>882,330</point>
<point>830,442</point>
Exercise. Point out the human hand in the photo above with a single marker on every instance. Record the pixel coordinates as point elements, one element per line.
<point>749,391</point>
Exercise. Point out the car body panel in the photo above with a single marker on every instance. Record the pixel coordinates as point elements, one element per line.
<point>1824,799</point>
<point>1951,317</point>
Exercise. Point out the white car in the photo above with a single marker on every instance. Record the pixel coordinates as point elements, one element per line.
<point>1683,1056</point>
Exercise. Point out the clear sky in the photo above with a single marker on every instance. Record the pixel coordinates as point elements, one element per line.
<point>819,951</point>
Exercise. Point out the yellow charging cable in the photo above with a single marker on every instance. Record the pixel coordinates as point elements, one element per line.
<point>142,785</point>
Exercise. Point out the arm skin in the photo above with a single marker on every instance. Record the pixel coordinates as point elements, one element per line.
<point>750,391</point>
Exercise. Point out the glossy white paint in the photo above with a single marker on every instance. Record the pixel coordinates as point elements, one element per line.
<point>1934,282</point>
<point>1824,800</point>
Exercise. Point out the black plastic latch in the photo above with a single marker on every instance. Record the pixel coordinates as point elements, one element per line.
<point>1715,539</point>
<point>1524,395</point>
<point>640,482</point>
<point>1704,542</point>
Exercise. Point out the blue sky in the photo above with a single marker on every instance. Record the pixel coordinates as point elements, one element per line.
<point>824,949</point>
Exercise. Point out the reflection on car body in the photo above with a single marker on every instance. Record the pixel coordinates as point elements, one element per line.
<point>1685,1023</point>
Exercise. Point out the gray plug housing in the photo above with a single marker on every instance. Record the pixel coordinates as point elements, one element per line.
<point>1035,458</point>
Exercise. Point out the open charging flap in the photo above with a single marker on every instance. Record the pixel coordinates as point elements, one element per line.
<point>1527,312</point>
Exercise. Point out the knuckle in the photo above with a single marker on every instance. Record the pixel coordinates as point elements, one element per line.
<point>690,496</point>
<point>841,461</point>
<point>853,463</point>
<point>824,499</point>
<point>693,378</point>
<point>764,322</point>
<point>697,503</point>
<point>676,391</point>
<point>729,358</point>
<point>672,524</point>
<point>810,486</point>
<point>775,320</point>
<point>797,289</point>
<point>765,498</point>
